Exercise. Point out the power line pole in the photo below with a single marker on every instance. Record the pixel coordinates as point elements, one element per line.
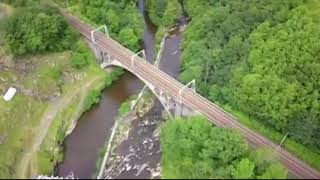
<point>284,138</point>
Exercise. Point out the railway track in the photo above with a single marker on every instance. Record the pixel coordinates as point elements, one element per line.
<point>149,73</point>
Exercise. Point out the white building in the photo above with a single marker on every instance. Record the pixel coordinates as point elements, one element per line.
<point>10,93</point>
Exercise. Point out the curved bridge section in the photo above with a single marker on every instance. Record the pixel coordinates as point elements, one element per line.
<point>172,104</point>
<point>176,97</point>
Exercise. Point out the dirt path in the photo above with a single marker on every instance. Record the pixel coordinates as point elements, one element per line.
<point>27,165</point>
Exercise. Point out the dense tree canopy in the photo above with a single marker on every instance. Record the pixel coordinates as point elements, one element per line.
<point>284,72</point>
<point>37,29</point>
<point>261,57</point>
<point>163,12</point>
<point>128,38</point>
<point>192,148</point>
<point>21,3</point>
<point>122,17</point>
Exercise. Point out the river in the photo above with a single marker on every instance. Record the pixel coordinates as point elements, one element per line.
<point>82,146</point>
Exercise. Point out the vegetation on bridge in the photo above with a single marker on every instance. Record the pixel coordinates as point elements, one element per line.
<point>261,58</point>
<point>192,148</point>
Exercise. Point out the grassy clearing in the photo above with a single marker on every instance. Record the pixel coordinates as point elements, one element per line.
<point>42,81</point>
<point>51,151</point>
<point>20,117</point>
<point>39,79</point>
<point>292,146</point>
<point>17,122</point>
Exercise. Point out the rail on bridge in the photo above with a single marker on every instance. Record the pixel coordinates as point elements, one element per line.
<point>173,105</point>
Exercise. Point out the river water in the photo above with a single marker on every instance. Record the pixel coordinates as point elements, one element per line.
<point>81,147</point>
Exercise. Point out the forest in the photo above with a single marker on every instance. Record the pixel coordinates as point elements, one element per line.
<point>122,18</point>
<point>259,57</point>
<point>192,148</point>
<point>37,29</point>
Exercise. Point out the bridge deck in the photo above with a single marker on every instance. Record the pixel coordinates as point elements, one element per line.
<point>151,74</point>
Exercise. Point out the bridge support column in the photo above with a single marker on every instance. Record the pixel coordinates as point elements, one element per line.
<point>99,54</point>
<point>178,110</point>
<point>106,59</point>
<point>165,101</point>
<point>172,106</point>
<point>98,51</point>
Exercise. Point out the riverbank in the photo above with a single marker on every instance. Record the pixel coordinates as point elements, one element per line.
<point>45,148</point>
<point>51,96</point>
<point>59,105</point>
<point>93,128</point>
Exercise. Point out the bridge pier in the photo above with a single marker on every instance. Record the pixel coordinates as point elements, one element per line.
<point>99,54</point>
<point>98,51</point>
<point>108,60</point>
<point>178,110</point>
<point>173,106</point>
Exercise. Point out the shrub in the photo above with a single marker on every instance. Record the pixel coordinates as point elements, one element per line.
<point>38,29</point>
<point>79,60</point>
<point>92,98</point>
<point>124,109</point>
